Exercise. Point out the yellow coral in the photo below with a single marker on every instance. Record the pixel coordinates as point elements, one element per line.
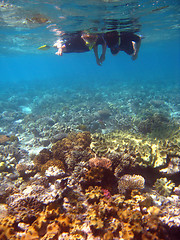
<point>7,230</point>
<point>94,194</point>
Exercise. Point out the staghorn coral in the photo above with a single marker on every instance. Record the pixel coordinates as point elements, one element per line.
<point>130,182</point>
<point>163,186</point>
<point>100,162</point>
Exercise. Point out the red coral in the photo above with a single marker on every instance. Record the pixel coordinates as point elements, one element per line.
<point>100,162</point>
<point>106,193</point>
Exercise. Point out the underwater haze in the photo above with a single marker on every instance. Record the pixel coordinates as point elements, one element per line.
<point>89,145</point>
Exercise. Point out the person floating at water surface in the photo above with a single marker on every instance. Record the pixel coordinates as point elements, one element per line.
<point>124,41</point>
<point>84,42</point>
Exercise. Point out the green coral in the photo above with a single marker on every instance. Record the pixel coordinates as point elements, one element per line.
<point>164,187</point>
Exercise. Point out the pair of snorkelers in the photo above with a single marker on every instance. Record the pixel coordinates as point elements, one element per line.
<point>84,42</point>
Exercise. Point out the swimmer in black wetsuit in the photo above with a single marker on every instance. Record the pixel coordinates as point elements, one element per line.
<point>75,44</point>
<point>123,41</point>
<point>84,42</point>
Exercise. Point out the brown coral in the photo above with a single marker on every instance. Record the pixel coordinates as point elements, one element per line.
<point>4,139</point>
<point>43,157</point>
<point>53,162</point>
<point>94,194</point>
<point>72,149</point>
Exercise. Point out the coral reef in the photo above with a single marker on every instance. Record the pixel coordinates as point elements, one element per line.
<point>164,187</point>
<point>170,211</point>
<point>155,123</point>
<point>140,150</point>
<point>4,139</point>
<point>67,192</point>
<point>130,182</point>
<point>173,165</point>
<point>100,162</point>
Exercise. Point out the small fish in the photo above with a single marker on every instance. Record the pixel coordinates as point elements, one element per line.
<point>44,47</point>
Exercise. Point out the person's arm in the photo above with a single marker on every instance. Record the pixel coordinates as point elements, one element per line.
<point>59,46</point>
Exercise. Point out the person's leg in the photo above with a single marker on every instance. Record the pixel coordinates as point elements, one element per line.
<point>136,47</point>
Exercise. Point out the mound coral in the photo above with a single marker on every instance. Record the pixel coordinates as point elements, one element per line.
<point>130,182</point>
<point>97,176</point>
<point>100,162</point>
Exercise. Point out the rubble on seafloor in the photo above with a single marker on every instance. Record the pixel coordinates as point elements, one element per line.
<point>87,186</point>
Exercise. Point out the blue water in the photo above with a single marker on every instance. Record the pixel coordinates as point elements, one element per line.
<point>157,62</point>
<point>29,72</point>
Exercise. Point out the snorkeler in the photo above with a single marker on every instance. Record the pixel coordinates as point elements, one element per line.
<point>123,41</point>
<point>83,42</point>
<point>76,44</point>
